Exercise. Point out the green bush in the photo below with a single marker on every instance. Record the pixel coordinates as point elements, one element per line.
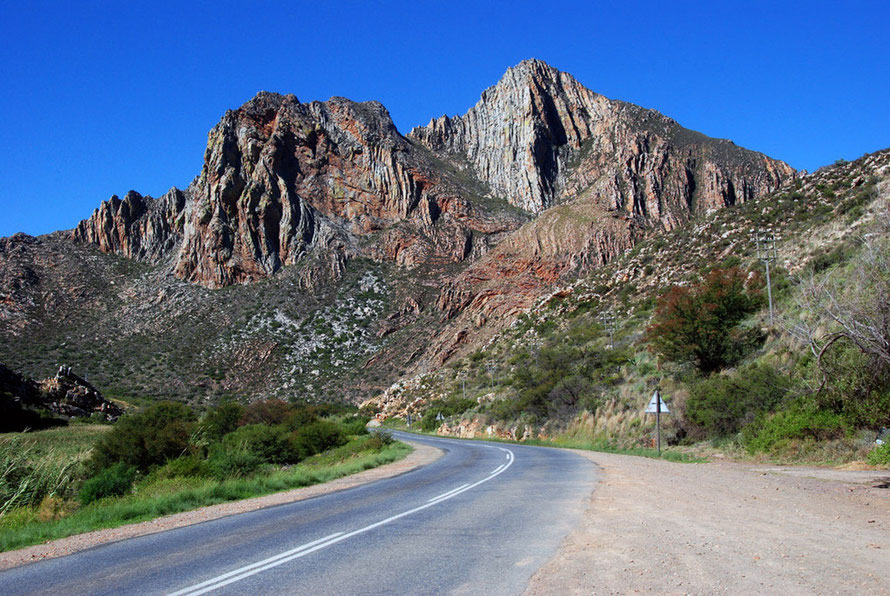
<point>772,432</point>
<point>110,482</point>
<point>237,463</point>
<point>722,404</point>
<point>270,411</point>
<point>187,466</point>
<point>220,421</point>
<point>146,439</point>
<point>356,425</point>
<point>880,455</point>
<point>317,437</point>
<point>271,444</point>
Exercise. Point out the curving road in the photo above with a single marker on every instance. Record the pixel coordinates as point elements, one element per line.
<point>482,519</point>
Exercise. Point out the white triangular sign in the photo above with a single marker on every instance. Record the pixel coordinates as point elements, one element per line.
<point>653,404</point>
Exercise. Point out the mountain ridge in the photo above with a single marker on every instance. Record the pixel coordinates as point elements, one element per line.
<point>295,200</point>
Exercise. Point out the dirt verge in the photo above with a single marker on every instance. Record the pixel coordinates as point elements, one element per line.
<point>660,527</point>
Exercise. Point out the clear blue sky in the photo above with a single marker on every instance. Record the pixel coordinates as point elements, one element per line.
<point>101,97</point>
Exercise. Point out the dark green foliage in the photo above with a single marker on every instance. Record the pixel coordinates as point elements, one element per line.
<point>300,417</point>
<point>113,481</point>
<point>699,325</point>
<point>269,411</point>
<point>317,437</point>
<point>148,438</point>
<point>858,387</point>
<point>271,444</point>
<point>220,421</point>
<point>800,421</point>
<point>451,406</point>
<point>187,466</point>
<point>722,404</point>
<point>355,425</point>
<point>237,463</point>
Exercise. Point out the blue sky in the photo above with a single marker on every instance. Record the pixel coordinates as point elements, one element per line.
<point>99,98</point>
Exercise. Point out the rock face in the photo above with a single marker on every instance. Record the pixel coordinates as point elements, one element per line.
<point>282,178</point>
<point>539,137</point>
<point>137,227</point>
<point>541,180</point>
<point>66,395</point>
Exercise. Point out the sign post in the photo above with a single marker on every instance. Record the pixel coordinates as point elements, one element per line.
<point>657,406</point>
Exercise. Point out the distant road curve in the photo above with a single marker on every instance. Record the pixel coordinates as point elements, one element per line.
<point>482,519</point>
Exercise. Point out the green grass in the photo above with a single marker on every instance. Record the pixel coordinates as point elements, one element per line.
<point>23,527</point>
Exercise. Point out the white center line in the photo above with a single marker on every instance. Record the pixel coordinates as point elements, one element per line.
<point>310,547</point>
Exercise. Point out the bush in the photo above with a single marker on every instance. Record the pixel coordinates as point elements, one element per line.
<point>187,466</point>
<point>110,482</point>
<point>774,431</point>
<point>357,425</point>
<point>238,463</point>
<point>700,324</point>
<point>880,455</point>
<point>220,421</point>
<point>453,406</point>
<point>271,444</point>
<point>270,411</point>
<point>317,437</point>
<point>146,439</point>
<point>722,404</point>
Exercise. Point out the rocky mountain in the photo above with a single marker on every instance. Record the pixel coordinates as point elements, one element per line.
<point>363,253</point>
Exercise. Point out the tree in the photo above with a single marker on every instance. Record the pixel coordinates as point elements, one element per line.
<point>699,324</point>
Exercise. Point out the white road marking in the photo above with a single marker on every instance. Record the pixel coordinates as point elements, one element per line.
<point>449,492</point>
<point>196,589</point>
<point>254,568</point>
<point>498,469</point>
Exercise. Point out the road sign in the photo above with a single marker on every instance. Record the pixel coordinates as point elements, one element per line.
<point>657,406</point>
<point>652,408</point>
<point>439,416</point>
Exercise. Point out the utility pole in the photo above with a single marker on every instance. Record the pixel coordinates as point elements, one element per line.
<point>766,252</point>
<point>463,383</point>
<point>607,320</point>
<point>490,368</point>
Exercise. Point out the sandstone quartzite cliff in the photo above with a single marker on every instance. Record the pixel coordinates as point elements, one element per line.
<point>539,137</point>
<point>282,178</point>
<point>400,250</point>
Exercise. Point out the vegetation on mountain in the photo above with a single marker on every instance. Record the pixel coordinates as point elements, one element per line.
<point>690,319</point>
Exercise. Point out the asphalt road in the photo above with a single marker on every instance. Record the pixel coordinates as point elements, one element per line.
<point>482,519</point>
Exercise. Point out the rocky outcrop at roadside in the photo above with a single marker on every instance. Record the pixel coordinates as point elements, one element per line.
<point>66,395</point>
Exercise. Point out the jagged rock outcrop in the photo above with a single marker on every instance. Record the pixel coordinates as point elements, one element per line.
<point>539,137</point>
<point>281,178</point>
<point>137,227</point>
<point>66,394</point>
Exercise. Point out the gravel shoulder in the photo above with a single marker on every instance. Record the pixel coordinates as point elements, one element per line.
<point>421,456</point>
<point>660,527</point>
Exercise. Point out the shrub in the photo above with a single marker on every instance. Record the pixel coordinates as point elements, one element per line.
<point>270,411</point>
<point>722,404</point>
<point>220,421</point>
<point>452,406</point>
<point>357,425</point>
<point>774,431</point>
<point>237,463</point>
<point>317,437</point>
<point>271,444</point>
<point>187,466</point>
<point>880,455</point>
<point>110,482</point>
<point>148,438</point>
<point>700,324</point>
